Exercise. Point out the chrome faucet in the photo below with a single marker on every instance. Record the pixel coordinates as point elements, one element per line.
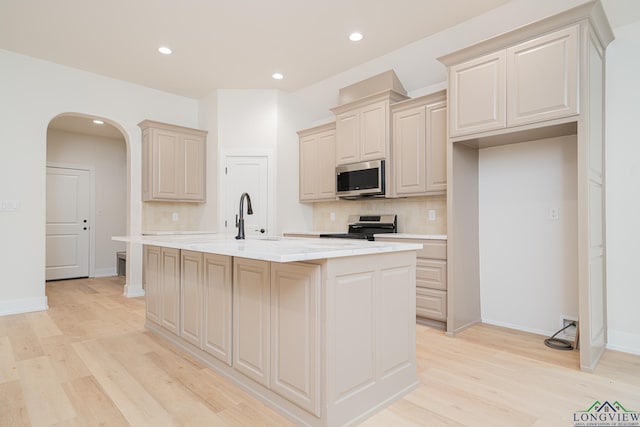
<point>240,218</point>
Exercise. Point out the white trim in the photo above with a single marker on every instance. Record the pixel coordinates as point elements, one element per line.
<point>518,327</point>
<point>133,291</point>
<point>105,272</point>
<point>92,207</point>
<point>23,305</point>
<point>623,341</point>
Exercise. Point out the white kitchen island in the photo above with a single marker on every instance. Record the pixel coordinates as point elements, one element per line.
<point>322,330</point>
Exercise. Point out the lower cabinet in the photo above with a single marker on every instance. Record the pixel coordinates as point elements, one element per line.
<point>161,277</point>
<point>431,277</point>
<point>216,299</point>
<point>276,328</point>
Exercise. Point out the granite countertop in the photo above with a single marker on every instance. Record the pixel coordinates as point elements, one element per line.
<point>277,249</point>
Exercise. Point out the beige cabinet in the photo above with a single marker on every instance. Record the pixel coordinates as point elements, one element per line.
<point>217,306</point>
<point>419,145</point>
<point>529,82</point>
<point>191,267</point>
<point>161,276</point>
<point>431,277</point>
<point>151,282</point>
<point>317,163</point>
<point>251,314</point>
<point>295,334</point>
<point>170,289</point>
<point>542,78</point>
<point>173,163</point>
<point>477,95</point>
<point>363,128</point>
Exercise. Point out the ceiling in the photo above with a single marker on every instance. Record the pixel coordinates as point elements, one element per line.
<point>84,125</point>
<point>229,44</point>
<point>222,44</point>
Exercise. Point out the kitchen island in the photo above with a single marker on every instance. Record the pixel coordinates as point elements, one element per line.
<point>322,330</point>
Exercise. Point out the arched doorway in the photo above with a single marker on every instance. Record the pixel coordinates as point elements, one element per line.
<point>79,149</point>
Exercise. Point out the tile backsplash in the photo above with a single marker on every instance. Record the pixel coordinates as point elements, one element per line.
<point>413,213</point>
<point>158,216</point>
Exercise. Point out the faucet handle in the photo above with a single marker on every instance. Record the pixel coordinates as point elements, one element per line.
<point>237,223</point>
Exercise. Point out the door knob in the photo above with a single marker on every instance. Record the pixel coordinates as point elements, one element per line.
<point>84,228</point>
<point>262,230</point>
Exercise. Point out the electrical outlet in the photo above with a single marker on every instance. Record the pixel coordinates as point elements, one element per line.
<point>432,215</point>
<point>174,217</point>
<point>332,216</point>
<point>570,332</point>
<point>554,214</point>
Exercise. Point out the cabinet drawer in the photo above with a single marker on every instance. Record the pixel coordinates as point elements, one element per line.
<point>434,249</point>
<point>431,304</point>
<point>431,273</point>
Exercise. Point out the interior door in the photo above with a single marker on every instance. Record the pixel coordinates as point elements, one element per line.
<point>247,174</point>
<point>67,234</point>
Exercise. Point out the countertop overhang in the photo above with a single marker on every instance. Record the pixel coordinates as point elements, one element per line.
<point>276,249</point>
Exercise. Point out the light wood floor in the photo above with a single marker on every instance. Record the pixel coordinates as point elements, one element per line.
<point>89,361</point>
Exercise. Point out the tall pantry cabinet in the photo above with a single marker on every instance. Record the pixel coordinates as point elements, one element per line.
<point>543,80</point>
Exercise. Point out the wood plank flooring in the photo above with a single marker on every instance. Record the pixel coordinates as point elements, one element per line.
<point>88,361</point>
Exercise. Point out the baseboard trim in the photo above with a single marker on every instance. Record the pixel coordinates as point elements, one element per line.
<point>623,341</point>
<point>518,327</point>
<point>105,272</point>
<point>23,305</point>
<point>133,292</point>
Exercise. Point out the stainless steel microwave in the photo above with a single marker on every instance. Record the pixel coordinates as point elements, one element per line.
<point>360,179</point>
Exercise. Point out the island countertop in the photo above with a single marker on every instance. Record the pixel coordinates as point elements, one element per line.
<point>277,249</point>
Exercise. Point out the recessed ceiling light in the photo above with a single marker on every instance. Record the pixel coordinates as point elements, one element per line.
<point>355,37</point>
<point>98,122</point>
<point>277,76</point>
<point>164,50</point>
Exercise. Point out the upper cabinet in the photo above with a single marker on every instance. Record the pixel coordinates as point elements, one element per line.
<point>173,163</point>
<point>318,163</point>
<point>363,130</point>
<point>420,145</point>
<point>529,82</point>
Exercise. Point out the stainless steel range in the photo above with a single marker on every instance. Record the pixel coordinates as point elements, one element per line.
<point>365,226</point>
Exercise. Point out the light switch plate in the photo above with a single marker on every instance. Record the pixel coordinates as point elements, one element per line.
<point>432,215</point>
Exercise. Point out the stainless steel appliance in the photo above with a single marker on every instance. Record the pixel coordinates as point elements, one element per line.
<point>363,179</point>
<point>365,226</point>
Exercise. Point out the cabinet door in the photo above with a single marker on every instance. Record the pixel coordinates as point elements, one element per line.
<point>217,306</point>
<point>436,146</point>
<point>347,137</point>
<point>165,149</point>
<point>193,174</point>
<point>152,282</point>
<point>308,166</point>
<point>191,297</point>
<point>477,95</point>
<point>326,166</point>
<point>409,150</point>
<point>251,291</point>
<point>295,334</point>
<point>542,78</point>
<point>373,136</point>
<point>170,279</point>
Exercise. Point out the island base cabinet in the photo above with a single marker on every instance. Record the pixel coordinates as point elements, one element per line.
<point>370,333</point>
<point>295,334</point>
<point>251,302</point>
<point>217,290</point>
<point>161,278</point>
<point>325,342</point>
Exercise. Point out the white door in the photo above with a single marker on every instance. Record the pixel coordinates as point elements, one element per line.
<point>246,174</point>
<point>68,209</point>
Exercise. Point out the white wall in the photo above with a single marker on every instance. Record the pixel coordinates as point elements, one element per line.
<point>108,158</point>
<point>528,262</point>
<point>623,196</point>
<point>247,125</point>
<point>34,92</point>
